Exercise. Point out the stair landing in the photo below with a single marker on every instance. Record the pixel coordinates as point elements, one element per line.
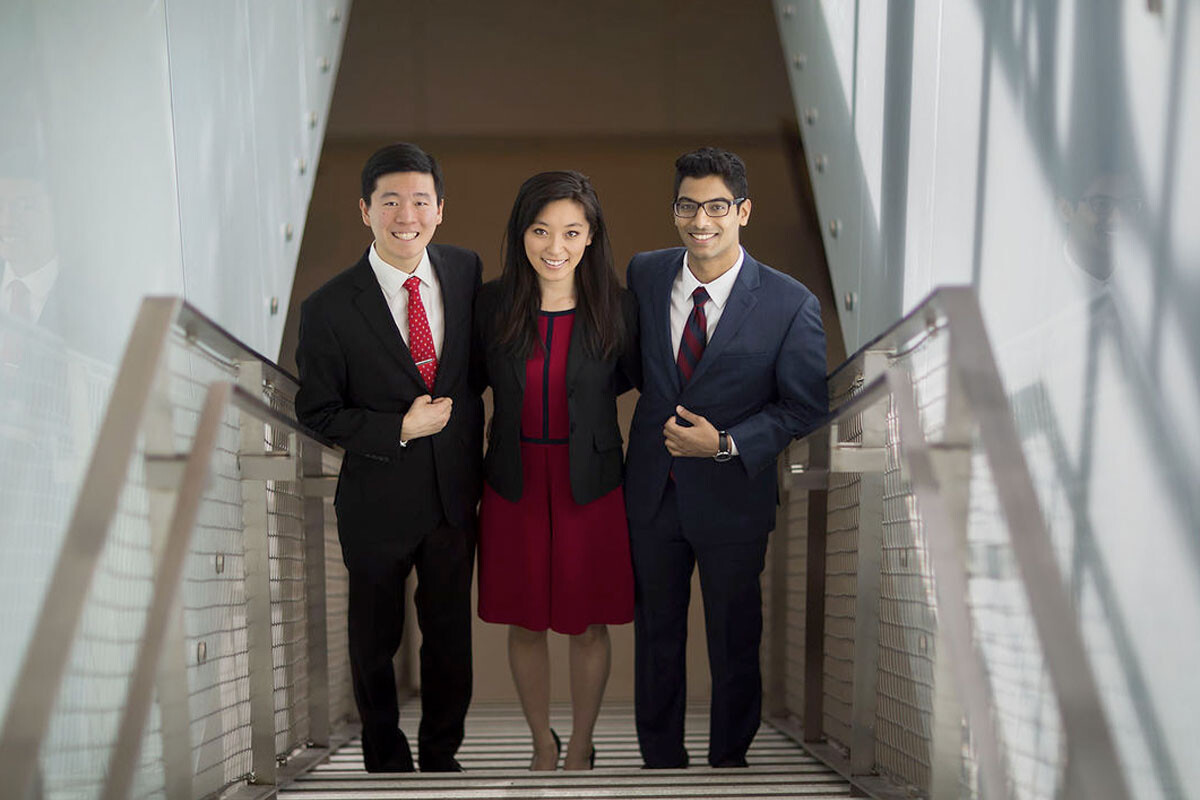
<point>497,750</point>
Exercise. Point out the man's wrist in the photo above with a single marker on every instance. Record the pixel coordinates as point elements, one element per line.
<point>724,453</point>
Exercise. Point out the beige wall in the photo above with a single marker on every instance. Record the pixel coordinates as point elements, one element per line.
<point>537,68</point>
<point>498,96</point>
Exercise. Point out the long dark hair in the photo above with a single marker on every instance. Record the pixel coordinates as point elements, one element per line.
<point>597,293</point>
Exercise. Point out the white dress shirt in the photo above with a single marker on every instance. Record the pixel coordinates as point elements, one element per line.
<point>682,305</point>
<point>718,294</point>
<point>391,281</point>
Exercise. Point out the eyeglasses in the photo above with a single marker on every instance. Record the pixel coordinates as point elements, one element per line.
<point>1104,204</point>
<point>714,208</point>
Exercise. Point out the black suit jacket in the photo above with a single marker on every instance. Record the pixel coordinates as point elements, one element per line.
<point>592,387</point>
<point>357,380</point>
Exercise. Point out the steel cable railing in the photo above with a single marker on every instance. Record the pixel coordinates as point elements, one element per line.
<point>194,636</point>
<point>920,631</point>
<point>185,642</point>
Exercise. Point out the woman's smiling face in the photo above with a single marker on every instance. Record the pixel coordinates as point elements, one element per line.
<point>556,240</point>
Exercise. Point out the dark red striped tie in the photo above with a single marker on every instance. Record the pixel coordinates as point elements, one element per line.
<point>695,336</point>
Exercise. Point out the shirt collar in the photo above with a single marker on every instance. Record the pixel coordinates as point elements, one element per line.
<point>391,280</point>
<point>39,282</point>
<point>1081,275</point>
<point>719,289</point>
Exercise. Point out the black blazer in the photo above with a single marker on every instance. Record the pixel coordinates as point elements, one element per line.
<point>594,441</point>
<point>357,380</point>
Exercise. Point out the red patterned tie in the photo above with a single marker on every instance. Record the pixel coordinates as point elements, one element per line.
<point>420,340</point>
<point>695,336</point>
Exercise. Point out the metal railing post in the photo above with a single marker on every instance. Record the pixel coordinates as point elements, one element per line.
<point>950,586</point>
<point>314,576</point>
<point>163,477</point>
<point>868,581</point>
<point>775,694</point>
<point>952,465</point>
<point>814,593</point>
<point>260,657</point>
<point>292,667</point>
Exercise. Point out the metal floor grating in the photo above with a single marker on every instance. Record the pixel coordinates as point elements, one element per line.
<point>496,757</point>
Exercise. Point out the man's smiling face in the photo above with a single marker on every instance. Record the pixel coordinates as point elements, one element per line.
<point>403,214</point>
<point>711,241</point>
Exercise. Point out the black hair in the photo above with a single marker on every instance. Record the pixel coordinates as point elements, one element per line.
<point>597,292</point>
<point>400,157</point>
<point>713,161</point>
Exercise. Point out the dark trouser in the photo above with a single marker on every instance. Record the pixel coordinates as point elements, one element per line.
<point>444,561</point>
<point>663,559</point>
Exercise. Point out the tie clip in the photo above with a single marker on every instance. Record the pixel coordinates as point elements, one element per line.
<point>424,361</point>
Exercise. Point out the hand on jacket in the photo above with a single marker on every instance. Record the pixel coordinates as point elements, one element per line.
<point>425,417</point>
<point>699,440</point>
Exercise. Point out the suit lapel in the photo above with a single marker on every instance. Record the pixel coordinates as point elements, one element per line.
<point>575,350</point>
<point>660,300</point>
<point>372,305</point>
<point>741,302</point>
<point>455,316</point>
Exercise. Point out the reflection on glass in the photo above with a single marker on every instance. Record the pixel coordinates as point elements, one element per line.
<point>1078,313</point>
<point>1053,164</point>
<point>1094,218</point>
<point>35,487</point>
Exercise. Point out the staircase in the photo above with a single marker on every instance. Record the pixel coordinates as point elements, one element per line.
<point>496,757</point>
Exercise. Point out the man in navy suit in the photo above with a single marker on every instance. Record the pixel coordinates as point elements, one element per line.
<point>733,357</point>
<point>385,367</point>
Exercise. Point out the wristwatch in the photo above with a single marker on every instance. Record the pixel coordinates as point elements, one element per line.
<point>723,451</point>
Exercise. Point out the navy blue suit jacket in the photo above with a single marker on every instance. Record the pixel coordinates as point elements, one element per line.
<point>761,378</point>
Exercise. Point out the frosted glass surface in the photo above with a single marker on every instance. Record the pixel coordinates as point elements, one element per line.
<point>147,148</point>
<point>1050,157</point>
<point>88,225</point>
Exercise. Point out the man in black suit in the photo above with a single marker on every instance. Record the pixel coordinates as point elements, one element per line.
<point>733,363</point>
<point>384,361</point>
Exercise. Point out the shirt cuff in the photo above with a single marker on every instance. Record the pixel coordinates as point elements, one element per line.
<point>732,444</point>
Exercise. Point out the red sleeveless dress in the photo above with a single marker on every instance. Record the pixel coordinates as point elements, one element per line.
<point>546,562</point>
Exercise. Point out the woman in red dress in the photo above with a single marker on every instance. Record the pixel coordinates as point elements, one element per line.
<point>559,336</point>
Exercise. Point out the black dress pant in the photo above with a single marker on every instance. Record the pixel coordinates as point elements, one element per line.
<point>444,561</point>
<point>664,556</point>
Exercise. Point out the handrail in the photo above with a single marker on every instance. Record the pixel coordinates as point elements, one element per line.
<point>202,330</point>
<point>36,688</point>
<point>139,382</point>
<point>981,404</point>
<point>926,317</point>
<point>220,395</point>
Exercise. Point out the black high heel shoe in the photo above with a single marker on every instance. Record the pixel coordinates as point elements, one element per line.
<point>591,762</point>
<point>557,752</point>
